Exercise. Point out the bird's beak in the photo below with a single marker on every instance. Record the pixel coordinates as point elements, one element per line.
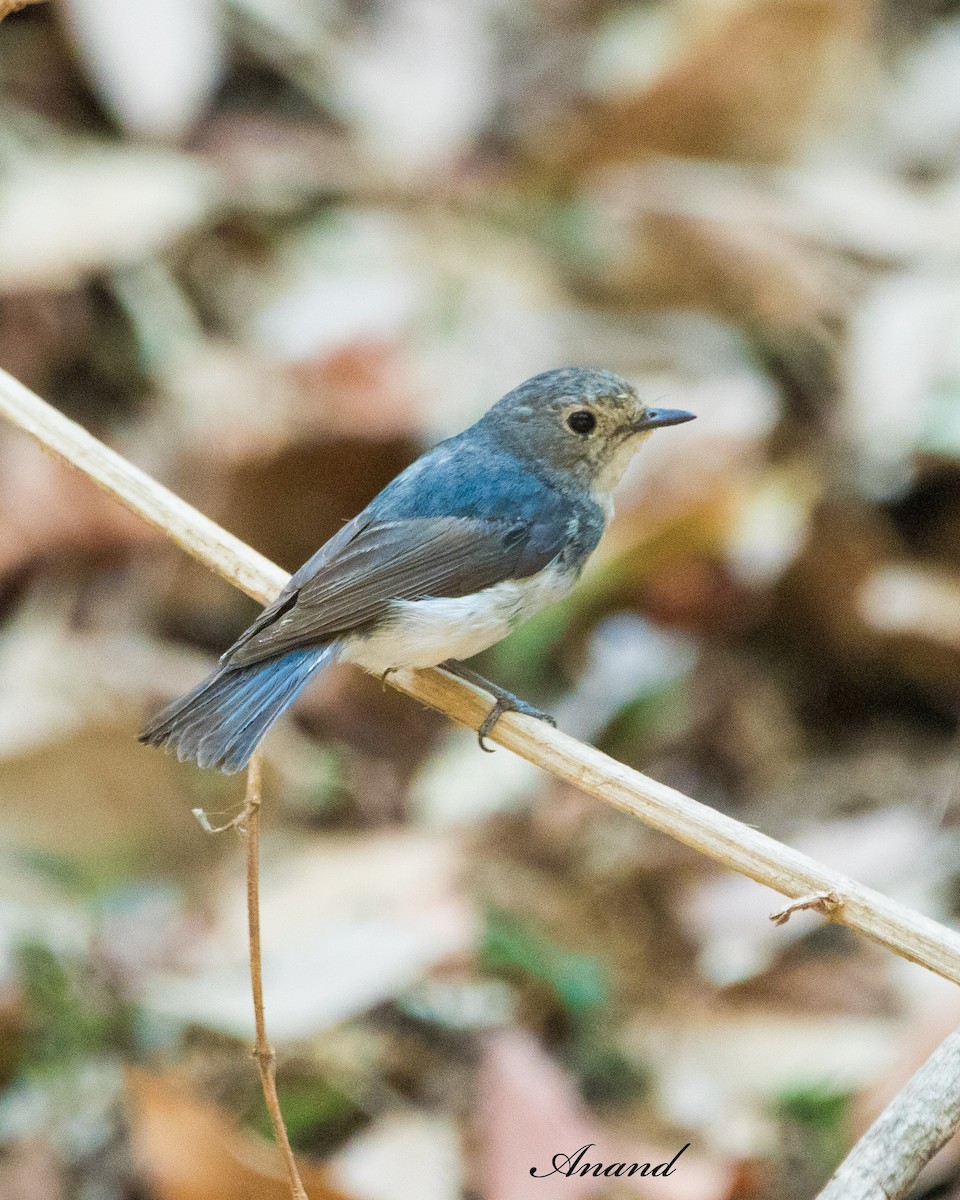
<point>657,418</point>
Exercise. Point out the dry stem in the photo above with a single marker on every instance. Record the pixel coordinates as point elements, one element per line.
<point>720,837</point>
<point>247,824</point>
<point>886,1161</point>
<point>263,1052</point>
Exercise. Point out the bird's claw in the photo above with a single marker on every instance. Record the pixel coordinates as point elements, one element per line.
<point>504,704</point>
<point>504,701</point>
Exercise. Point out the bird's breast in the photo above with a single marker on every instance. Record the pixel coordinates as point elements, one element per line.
<point>423,633</point>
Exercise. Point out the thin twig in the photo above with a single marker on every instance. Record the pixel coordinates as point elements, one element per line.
<point>247,824</point>
<point>825,903</point>
<point>920,1119</point>
<point>712,833</point>
<point>263,1052</point>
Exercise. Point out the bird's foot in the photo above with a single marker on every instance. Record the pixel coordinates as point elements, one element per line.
<point>504,701</point>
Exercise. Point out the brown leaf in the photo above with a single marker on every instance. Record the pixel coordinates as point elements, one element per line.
<point>7,7</point>
<point>787,297</point>
<point>47,509</point>
<point>747,90</point>
<point>40,330</point>
<point>187,1149</point>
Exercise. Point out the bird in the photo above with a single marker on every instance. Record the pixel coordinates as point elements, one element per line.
<point>474,537</point>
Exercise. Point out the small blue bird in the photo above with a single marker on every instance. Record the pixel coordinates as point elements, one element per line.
<point>474,537</point>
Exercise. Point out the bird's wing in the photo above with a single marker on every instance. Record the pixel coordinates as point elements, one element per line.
<point>351,581</point>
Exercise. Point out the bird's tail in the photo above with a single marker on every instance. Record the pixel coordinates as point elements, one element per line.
<point>221,721</point>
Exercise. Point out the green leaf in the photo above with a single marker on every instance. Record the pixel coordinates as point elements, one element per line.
<point>578,981</point>
<point>318,1116</point>
<point>819,1113</point>
<point>71,1013</point>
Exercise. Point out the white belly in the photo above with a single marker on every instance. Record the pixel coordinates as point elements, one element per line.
<point>422,633</point>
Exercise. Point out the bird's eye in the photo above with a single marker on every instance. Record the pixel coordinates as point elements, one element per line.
<point>582,421</point>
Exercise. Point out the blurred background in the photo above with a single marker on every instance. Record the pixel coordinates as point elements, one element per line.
<point>271,250</point>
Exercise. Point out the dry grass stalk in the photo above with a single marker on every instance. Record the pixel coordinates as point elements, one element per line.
<point>714,834</point>
<point>920,1119</point>
<point>263,1052</point>
<point>247,824</point>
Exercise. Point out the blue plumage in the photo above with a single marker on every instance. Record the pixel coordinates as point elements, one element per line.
<point>472,538</point>
<point>220,722</point>
<point>464,476</point>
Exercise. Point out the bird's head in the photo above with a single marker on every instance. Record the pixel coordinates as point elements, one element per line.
<point>583,425</point>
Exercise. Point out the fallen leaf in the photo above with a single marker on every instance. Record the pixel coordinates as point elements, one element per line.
<point>409,119</point>
<point>273,162</point>
<point>902,351</point>
<point>528,1111</point>
<point>347,924</point>
<point>721,1070</point>
<point>187,1149</point>
<point>402,1156</point>
<point>63,218</point>
<point>747,87</point>
<point>30,1169</point>
<point>48,510</point>
<point>155,65</point>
